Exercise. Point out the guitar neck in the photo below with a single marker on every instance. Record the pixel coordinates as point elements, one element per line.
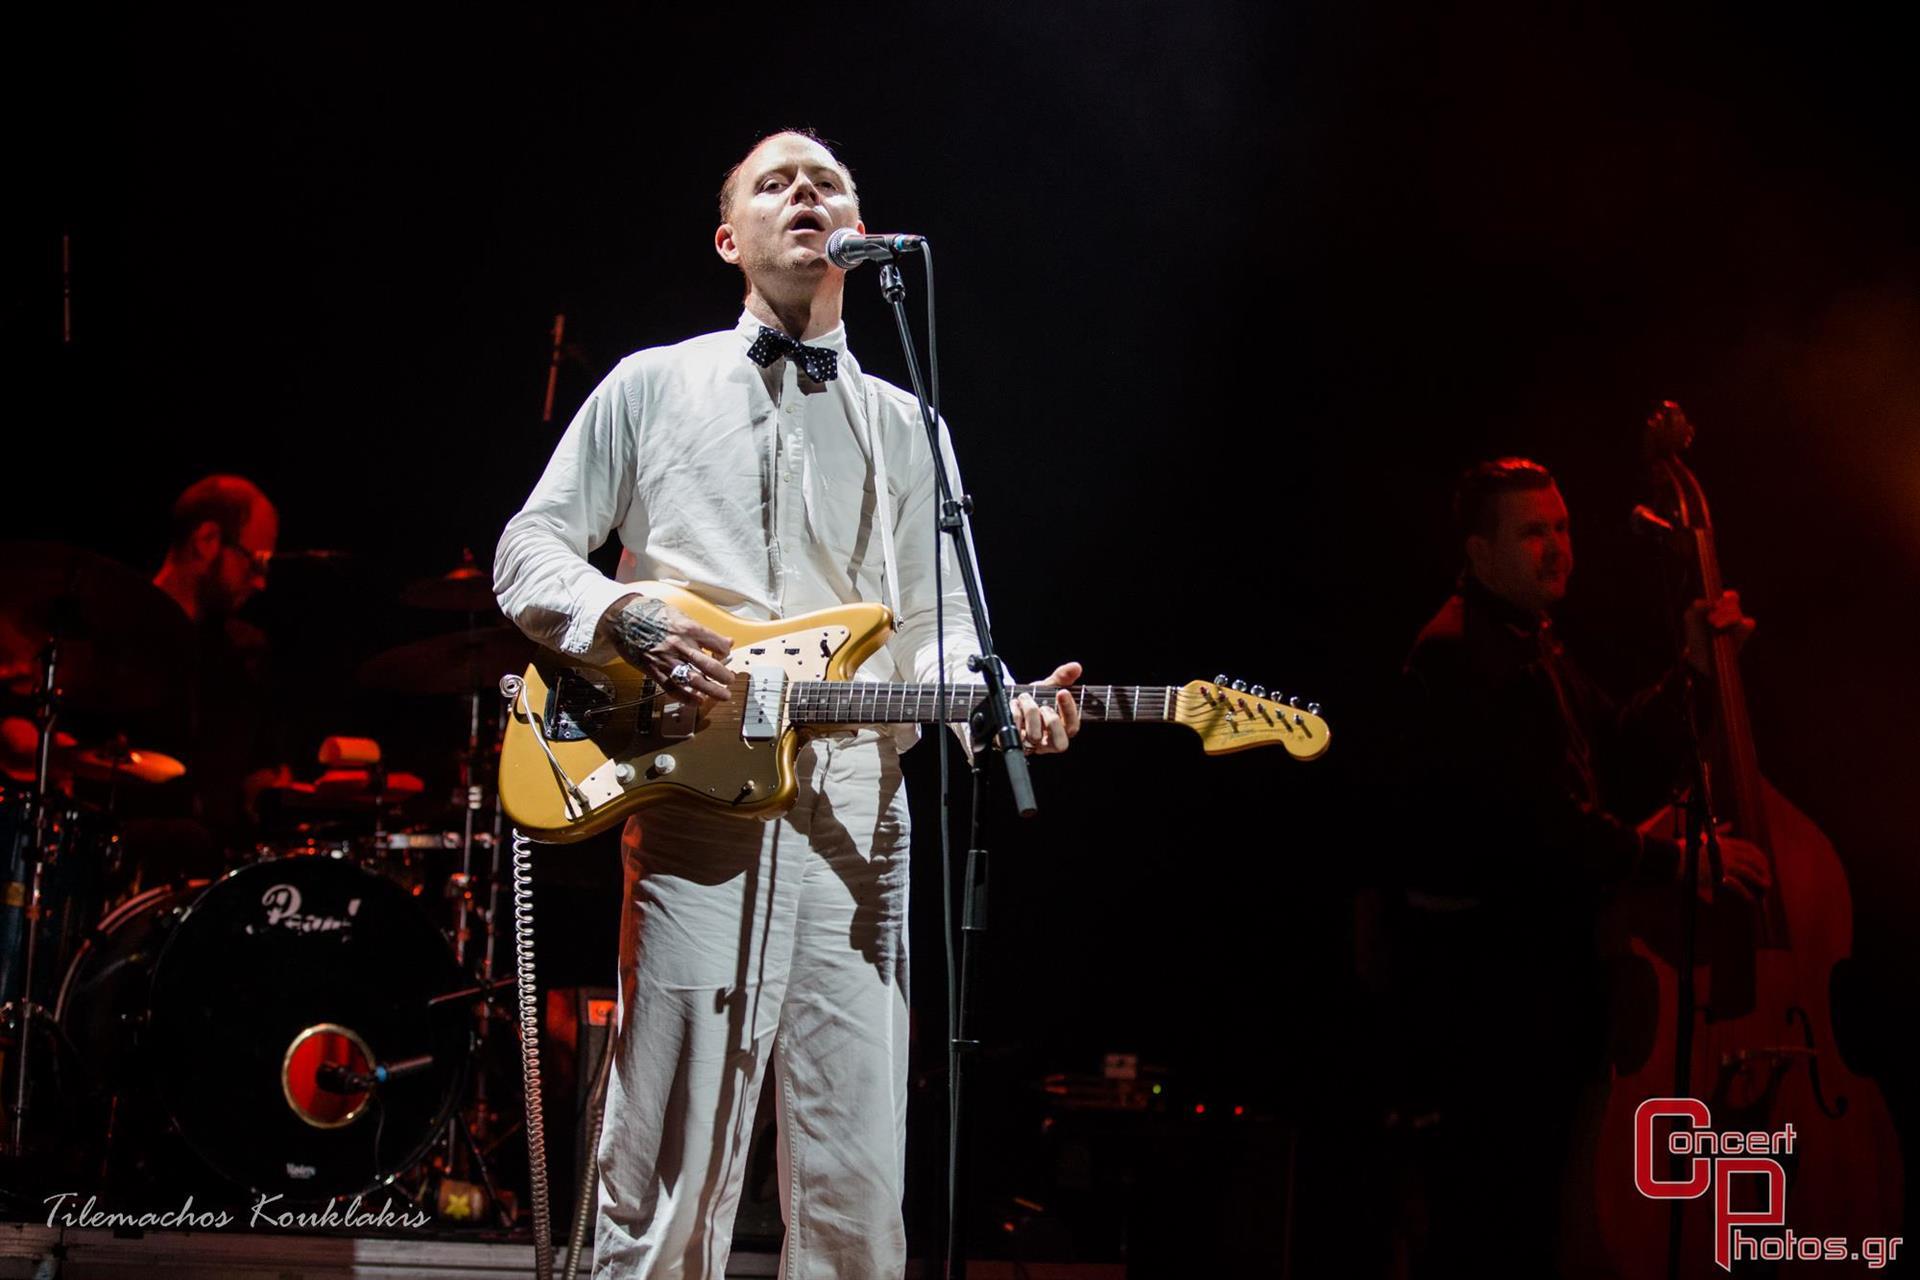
<point>864,702</point>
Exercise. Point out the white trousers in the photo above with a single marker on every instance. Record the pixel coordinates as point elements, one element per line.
<point>747,943</point>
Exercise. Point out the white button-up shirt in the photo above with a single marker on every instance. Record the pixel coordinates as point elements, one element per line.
<point>764,496</point>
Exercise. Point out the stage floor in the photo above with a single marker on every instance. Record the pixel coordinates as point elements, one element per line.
<point>34,1252</point>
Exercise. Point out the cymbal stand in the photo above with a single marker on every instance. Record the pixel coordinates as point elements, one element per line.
<point>471,794</point>
<point>22,1012</point>
<point>466,1148</point>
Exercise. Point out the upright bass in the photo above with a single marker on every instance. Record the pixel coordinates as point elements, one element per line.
<point>1750,1032</point>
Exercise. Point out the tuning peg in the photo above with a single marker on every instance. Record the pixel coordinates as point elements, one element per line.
<point>1313,708</point>
<point>1258,691</point>
<point>1239,686</point>
<point>1221,679</point>
<point>1294,701</point>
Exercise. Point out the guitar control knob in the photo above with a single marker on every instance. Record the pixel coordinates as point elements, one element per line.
<point>623,773</point>
<point>663,764</point>
<point>1258,691</point>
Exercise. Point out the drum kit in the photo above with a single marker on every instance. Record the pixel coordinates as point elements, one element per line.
<point>298,1019</point>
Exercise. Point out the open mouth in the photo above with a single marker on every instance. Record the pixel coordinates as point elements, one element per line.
<point>806,222</point>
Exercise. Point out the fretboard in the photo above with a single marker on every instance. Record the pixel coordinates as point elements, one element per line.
<point>866,702</point>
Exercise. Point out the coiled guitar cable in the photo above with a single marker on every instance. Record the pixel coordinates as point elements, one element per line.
<point>527,996</point>
<point>513,689</point>
<point>528,999</point>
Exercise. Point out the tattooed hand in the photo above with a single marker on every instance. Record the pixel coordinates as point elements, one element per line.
<point>656,637</point>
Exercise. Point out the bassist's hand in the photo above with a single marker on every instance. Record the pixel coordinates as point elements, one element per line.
<point>1708,618</point>
<point>1744,868</point>
<point>662,641</point>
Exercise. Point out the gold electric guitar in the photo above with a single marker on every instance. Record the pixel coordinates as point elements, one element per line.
<point>586,745</point>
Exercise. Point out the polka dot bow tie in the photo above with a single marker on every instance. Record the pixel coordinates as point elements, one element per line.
<point>822,364</point>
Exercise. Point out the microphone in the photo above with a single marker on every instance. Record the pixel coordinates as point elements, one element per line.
<point>847,248</point>
<point>335,1078</point>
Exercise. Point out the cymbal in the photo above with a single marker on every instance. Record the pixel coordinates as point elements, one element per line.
<point>466,589</point>
<point>123,642</point>
<point>459,662</point>
<point>106,764</point>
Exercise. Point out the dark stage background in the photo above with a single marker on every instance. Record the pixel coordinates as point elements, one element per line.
<point>1228,295</point>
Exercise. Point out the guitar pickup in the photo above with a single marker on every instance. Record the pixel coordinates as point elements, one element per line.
<point>760,715</point>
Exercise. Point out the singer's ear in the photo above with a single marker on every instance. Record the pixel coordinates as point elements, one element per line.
<point>724,245</point>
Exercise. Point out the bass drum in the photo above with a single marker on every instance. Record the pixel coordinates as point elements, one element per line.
<point>235,1014</point>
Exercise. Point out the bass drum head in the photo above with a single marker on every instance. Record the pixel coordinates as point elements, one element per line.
<point>276,972</point>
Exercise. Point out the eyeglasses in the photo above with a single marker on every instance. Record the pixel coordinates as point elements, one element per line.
<point>261,560</point>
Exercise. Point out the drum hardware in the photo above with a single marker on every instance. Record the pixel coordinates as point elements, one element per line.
<point>228,1015</point>
<point>21,1013</point>
<point>112,643</point>
<point>465,663</point>
<point>355,782</point>
<point>467,995</point>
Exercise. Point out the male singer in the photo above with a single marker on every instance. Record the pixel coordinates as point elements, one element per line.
<point>764,469</point>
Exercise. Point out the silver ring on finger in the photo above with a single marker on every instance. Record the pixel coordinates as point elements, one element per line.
<point>682,673</point>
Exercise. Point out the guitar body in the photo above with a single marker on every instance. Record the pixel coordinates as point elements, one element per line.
<point>638,744</point>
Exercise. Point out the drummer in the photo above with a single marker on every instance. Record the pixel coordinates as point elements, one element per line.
<point>223,534</point>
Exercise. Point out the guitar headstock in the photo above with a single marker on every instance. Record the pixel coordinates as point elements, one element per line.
<point>1230,716</point>
<point>1669,435</point>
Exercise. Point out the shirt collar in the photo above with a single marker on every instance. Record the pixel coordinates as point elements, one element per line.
<point>1524,621</point>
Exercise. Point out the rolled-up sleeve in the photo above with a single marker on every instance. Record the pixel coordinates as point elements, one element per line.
<point>541,576</point>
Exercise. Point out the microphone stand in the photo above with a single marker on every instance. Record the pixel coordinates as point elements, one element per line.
<point>1702,839</point>
<point>992,720</point>
<point>955,522</point>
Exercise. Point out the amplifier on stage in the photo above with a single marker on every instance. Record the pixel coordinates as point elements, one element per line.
<point>578,1027</point>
